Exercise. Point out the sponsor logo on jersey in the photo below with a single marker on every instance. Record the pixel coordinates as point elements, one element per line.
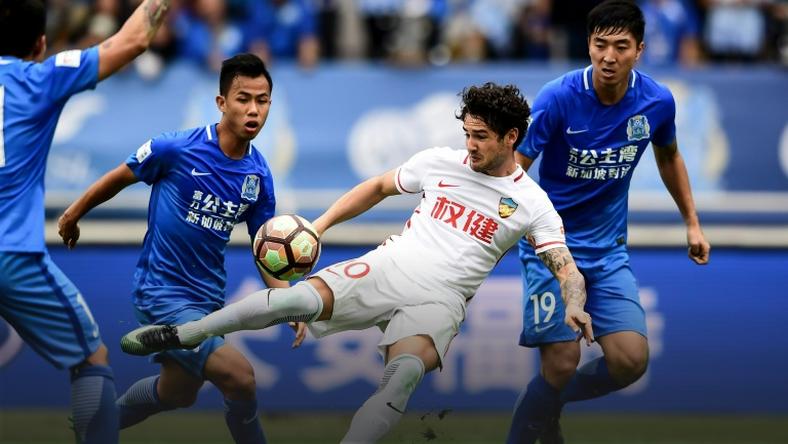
<point>442,184</point>
<point>638,128</point>
<point>69,59</point>
<point>143,152</point>
<point>250,188</point>
<point>506,207</point>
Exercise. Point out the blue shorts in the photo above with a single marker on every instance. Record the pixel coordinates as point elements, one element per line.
<point>192,360</point>
<point>612,300</point>
<point>46,309</point>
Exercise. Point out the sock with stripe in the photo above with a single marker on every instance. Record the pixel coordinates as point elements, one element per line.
<point>140,401</point>
<point>93,405</point>
<point>299,303</point>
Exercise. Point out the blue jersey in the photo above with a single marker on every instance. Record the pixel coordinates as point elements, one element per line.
<point>589,152</point>
<point>199,194</point>
<point>32,95</point>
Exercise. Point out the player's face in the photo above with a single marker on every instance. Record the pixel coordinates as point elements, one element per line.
<point>488,153</point>
<point>246,106</point>
<point>613,56</point>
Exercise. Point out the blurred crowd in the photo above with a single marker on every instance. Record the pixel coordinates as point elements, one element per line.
<point>415,32</point>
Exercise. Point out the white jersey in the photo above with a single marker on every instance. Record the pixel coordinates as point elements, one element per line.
<point>466,220</point>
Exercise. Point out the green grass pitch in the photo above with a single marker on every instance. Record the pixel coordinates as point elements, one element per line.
<point>207,427</point>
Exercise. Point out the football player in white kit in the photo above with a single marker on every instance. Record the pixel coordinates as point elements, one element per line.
<point>477,203</point>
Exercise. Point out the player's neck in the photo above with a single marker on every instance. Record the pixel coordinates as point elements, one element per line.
<point>231,145</point>
<point>504,170</point>
<point>610,94</point>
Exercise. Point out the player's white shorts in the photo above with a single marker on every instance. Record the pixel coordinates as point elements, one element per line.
<point>373,291</point>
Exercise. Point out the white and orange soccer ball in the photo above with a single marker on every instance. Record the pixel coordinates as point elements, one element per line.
<point>286,247</point>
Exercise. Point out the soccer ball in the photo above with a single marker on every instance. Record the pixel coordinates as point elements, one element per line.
<point>286,247</point>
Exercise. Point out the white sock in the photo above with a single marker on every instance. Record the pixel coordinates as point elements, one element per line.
<point>384,409</point>
<point>300,303</point>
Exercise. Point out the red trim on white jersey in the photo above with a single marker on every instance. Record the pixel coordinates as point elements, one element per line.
<point>400,183</point>
<point>465,161</point>
<point>548,243</point>
<point>520,176</point>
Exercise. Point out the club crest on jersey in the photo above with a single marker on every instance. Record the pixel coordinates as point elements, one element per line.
<point>638,128</point>
<point>250,188</point>
<point>506,207</point>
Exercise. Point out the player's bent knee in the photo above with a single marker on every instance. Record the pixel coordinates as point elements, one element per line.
<point>99,357</point>
<point>236,383</point>
<point>627,368</point>
<point>559,362</point>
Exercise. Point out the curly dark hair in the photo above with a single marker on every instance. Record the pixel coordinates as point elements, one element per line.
<point>500,107</point>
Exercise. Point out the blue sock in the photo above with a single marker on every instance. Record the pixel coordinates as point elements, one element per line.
<point>536,404</point>
<point>93,405</point>
<point>241,419</point>
<point>591,380</point>
<point>140,401</point>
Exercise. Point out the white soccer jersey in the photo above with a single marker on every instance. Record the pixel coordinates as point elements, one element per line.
<point>466,220</point>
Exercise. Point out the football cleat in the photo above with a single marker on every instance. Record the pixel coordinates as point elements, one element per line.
<point>151,339</point>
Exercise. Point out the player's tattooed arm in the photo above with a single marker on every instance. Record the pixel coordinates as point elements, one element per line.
<point>155,10</point>
<point>573,288</point>
<point>133,38</point>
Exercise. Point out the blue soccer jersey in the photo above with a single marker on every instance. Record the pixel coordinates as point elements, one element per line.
<point>199,194</point>
<point>32,95</point>
<point>590,150</point>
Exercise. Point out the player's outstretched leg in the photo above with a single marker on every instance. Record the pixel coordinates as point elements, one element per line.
<point>300,303</point>
<point>384,409</point>
<point>93,402</point>
<point>140,401</point>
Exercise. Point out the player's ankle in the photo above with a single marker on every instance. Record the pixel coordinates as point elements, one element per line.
<point>190,334</point>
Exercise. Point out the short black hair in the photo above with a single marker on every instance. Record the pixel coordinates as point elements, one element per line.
<point>247,65</point>
<point>500,107</point>
<point>22,23</point>
<point>614,16</point>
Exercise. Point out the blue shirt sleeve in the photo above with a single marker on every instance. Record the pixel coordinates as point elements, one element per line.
<point>665,133</point>
<point>544,120</point>
<point>69,72</point>
<point>264,208</point>
<point>153,159</point>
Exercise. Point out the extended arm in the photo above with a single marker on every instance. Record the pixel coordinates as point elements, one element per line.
<point>674,176</point>
<point>133,38</point>
<point>361,198</point>
<point>101,191</point>
<point>573,290</point>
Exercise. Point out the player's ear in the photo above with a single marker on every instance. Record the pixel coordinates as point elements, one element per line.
<point>511,136</point>
<point>221,103</point>
<point>639,51</point>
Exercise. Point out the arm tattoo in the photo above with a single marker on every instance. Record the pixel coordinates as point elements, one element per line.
<point>555,259</point>
<point>154,12</point>
<point>573,288</point>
